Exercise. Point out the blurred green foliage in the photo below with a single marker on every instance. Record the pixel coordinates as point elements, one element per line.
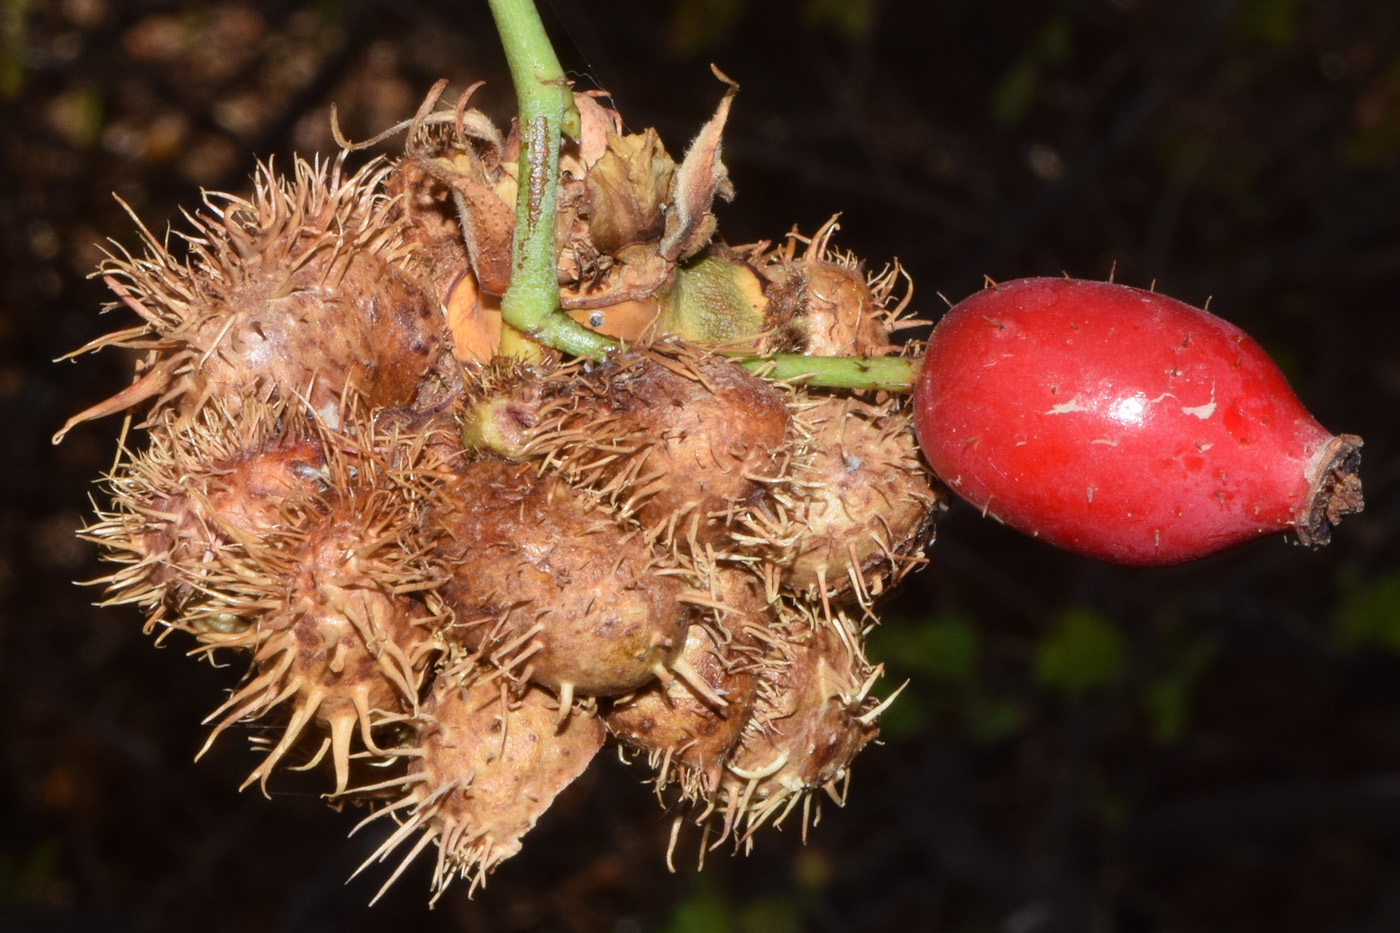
<point>698,25</point>
<point>1273,23</point>
<point>942,658</point>
<point>953,677</point>
<point>707,909</point>
<point>703,910</point>
<point>849,18</point>
<point>1015,93</point>
<point>1166,699</point>
<point>28,878</point>
<point>76,114</point>
<point>945,648</point>
<point>1081,653</point>
<point>1369,612</point>
<point>12,45</point>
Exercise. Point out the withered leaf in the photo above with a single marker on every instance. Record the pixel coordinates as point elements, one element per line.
<point>488,224</point>
<point>701,176</point>
<point>627,189</point>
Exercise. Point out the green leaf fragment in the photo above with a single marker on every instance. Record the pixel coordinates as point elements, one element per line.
<point>1083,652</point>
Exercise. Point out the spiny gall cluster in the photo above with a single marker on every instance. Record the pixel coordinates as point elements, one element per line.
<point>456,564</point>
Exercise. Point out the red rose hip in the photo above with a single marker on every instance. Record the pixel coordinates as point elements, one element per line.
<point>1124,425</point>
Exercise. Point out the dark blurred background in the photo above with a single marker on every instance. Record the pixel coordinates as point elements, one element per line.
<point>1214,747</point>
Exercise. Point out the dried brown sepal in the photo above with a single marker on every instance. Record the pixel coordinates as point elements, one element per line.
<point>690,223</point>
<point>548,585</point>
<point>605,228</point>
<point>613,191</point>
<point>450,190</point>
<point>597,124</point>
<point>428,222</point>
<point>487,763</point>
<point>1335,490</point>
<point>628,214</point>
<point>626,192</point>
<point>582,267</point>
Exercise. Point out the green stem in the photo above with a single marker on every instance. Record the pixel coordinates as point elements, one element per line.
<point>891,373</point>
<point>531,302</point>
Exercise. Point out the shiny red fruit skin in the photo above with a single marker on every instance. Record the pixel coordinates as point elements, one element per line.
<point>1114,422</point>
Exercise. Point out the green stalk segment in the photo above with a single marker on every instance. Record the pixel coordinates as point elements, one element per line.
<point>531,303</point>
<point>891,373</point>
